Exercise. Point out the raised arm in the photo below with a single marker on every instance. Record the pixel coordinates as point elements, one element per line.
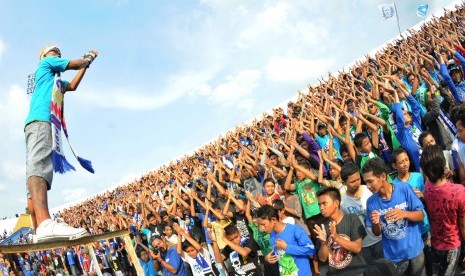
<point>84,62</point>
<point>182,233</point>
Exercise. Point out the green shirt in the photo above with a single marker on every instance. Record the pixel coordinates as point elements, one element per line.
<point>385,116</point>
<point>307,189</point>
<point>286,262</point>
<point>287,265</point>
<point>262,239</point>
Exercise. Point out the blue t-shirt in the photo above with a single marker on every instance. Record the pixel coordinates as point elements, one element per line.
<point>174,259</point>
<point>401,239</point>
<point>148,268</point>
<point>39,109</point>
<point>417,181</point>
<point>70,256</point>
<point>299,246</point>
<point>323,142</point>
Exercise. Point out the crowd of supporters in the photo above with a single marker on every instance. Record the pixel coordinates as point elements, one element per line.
<point>362,174</point>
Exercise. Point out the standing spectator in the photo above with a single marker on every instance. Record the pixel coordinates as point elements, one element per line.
<point>86,263</point>
<point>408,126</point>
<point>4,266</point>
<point>58,264</point>
<point>292,207</point>
<point>198,258</point>
<point>340,239</point>
<point>242,252</point>
<point>70,256</point>
<point>102,260</point>
<point>306,189</point>
<point>291,245</point>
<point>445,202</point>
<point>38,133</point>
<point>401,162</point>
<point>395,212</point>
<point>25,264</point>
<point>427,139</point>
<point>355,202</point>
<point>263,241</point>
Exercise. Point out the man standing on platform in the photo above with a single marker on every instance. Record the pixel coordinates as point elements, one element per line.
<point>40,142</point>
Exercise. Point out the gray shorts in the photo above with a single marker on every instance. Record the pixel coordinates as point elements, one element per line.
<point>39,151</point>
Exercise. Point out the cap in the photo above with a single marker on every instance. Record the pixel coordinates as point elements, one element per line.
<point>85,250</point>
<point>321,124</point>
<point>453,67</point>
<point>47,49</point>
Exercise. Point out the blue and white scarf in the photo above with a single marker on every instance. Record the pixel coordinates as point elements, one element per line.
<point>60,164</point>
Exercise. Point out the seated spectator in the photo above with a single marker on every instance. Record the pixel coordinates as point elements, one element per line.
<point>166,258</point>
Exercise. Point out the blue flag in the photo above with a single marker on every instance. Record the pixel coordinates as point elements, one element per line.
<point>422,10</point>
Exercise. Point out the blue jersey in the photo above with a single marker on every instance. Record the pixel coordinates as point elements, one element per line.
<point>299,247</point>
<point>408,137</point>
<point>41,100</point>
<point>174,259</point>
<point>148,268</point>
<point>401,239</point>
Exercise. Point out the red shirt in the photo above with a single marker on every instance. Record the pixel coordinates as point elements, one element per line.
<point>445,204</point>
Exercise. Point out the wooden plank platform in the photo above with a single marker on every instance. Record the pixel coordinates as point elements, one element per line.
<point>20,248</point>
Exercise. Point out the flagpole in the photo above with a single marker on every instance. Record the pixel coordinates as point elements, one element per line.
<point>397,16</point>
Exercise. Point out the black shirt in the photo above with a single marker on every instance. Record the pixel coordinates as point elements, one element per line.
<point>342,261</point>
<point>244,266</point>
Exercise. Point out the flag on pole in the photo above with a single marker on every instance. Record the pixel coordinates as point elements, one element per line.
<point>422,10</point>
<point>388,11</point>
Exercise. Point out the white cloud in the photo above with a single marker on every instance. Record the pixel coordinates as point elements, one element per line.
<point>2,188</point>
<point>296,70</point>
<point>73,194</point>
<point>235,36</point>
<point>237,86</point>
<point>271,20</point>
<point>309,34</point>
<point>13,111</point>
<point>232,90</point>
<point>235,89</point>
<point>141,98</point>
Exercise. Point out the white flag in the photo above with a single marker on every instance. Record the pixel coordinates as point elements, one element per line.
<point>388,11</point>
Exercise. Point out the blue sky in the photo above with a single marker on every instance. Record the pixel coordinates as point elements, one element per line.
<point>171,75</point>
